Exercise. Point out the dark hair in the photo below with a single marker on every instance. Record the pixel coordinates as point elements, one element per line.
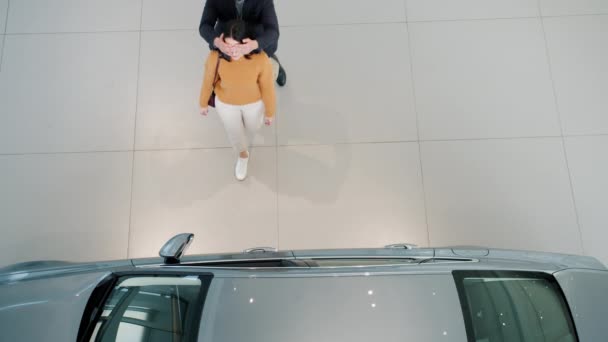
<point>238,30</point>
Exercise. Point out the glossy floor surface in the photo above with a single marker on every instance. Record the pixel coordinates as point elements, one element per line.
<point>469,122</point>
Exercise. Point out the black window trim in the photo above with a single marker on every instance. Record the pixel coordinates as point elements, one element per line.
<point>311,262</point>
<point>94,308</point>
<point>460,275</point>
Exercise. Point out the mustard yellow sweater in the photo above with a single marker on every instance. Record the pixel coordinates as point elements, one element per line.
<point>240,82</point>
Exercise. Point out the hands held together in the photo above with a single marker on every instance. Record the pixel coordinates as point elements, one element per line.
<point>238,50</point>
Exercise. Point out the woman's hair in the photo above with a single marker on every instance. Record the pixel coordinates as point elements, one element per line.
<point>238,30</point>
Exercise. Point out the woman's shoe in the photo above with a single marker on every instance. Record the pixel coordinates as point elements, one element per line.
<point>282,79</point>
<point>240,170</point>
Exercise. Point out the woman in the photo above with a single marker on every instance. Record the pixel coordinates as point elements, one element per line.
<point>245,94</point>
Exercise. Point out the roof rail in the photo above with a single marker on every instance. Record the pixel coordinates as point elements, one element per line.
<point>402,246</point>
<point>260,250</point>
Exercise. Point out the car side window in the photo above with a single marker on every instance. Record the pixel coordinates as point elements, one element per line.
<point>513,307</point>
<point>152,308</point>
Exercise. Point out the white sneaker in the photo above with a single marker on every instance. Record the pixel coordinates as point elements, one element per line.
<point>240,170</point>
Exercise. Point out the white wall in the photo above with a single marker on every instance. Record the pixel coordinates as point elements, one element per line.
<point>433,122</point>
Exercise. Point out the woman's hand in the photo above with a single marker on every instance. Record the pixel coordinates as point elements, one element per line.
<point>268,121</point>
<point>204,111</point>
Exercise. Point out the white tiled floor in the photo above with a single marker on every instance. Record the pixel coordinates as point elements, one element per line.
<point>333,12</point>
<point>343,96</point>
<point>43,16</point>
<point>573,7</point>
<point>500,193</point>
<point>1,47</point>
<point>172,14</point>
<point>589,166</point>
<point>79,97</point>
<point>3,9</point>
<point>91,108</point>
<point>367,195</point>
<point>65,206</point>
<point>578,48</point>
<point>427,10</point>
<point>195,191</point>
<point>482,79</point>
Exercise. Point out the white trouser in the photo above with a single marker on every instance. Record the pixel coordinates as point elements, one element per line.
<point>241,122</point>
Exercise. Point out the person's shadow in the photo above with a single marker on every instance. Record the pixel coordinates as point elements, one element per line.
<point>307,165</point>
<point>310,167</point>
<point>306,168</point>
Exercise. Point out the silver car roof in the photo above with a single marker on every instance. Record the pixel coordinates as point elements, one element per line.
<point>444,259</point>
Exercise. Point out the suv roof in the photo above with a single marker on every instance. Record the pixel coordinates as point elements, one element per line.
<point>399,257</point>
<point>456,256</point>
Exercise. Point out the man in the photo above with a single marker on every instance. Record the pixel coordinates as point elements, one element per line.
<point>262,17</point>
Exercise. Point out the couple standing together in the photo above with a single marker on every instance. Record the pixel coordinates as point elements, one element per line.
<point>241,69</point>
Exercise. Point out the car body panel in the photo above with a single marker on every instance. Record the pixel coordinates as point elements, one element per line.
<point>49,269</point>
<point>51,296</point>
<point>587,295</point>
<point>45,309</point>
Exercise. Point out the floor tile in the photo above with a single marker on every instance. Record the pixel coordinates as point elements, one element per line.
<point>588,163</point>
<point>3,13</point>
<point>500,193</point>
<point>172,14</point>
<point>578,50</point>
<point>1,46</point>
<point>427,10</point>
<point>345,94</point>
<point>43,16</point>
<point>482,79</point>
<point>333,12</point>
<point>573,7</point>
<point>347,196</point>
<point>195,191</point>
<point>172,65</point>
<point>80,97</point>
<point>71,207</point>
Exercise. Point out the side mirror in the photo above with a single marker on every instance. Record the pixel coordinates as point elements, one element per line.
<point>174,249</point>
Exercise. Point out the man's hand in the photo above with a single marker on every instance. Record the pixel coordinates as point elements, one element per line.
<point>248,46</point>
<point>268,120</point>
<point>204,111</point>
<point>220,44</point>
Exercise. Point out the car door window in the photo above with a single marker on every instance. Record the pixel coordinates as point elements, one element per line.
<point>513,307</point>
<point>151,309</point>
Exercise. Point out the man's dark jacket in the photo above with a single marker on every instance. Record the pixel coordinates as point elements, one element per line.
<point>260,14</point>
